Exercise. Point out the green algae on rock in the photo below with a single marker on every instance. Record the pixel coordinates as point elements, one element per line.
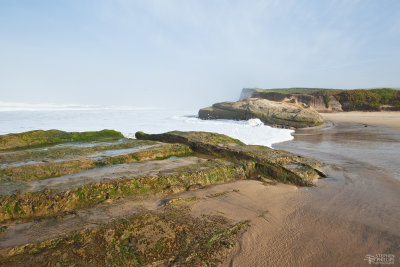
<point>68,151</point>
<point>47,185</point>
<point>276,164</point>
<point>49,169</point>
<point>45,203</point>
<point>219,159</point>
<point>50,137</point>
<point>169,237</point>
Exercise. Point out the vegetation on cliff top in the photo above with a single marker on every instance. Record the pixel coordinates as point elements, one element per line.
<point>369,99</point>
<point>356,99</point>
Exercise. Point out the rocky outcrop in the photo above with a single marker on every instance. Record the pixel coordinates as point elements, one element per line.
<point>276,164</point>
<point>31,191</point>
<point>278,114</point>
<point>93,215</point>
<point>41,138</point>
<point>171,237</point>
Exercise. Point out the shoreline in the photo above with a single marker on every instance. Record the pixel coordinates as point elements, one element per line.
<point>349,215</point>
<point>195,182</point>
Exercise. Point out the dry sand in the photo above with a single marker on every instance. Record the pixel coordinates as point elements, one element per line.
<point>386,118</point>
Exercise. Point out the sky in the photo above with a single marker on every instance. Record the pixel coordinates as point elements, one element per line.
<point>191,53</point>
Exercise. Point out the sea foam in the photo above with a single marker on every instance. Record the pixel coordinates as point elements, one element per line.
<point>22,117</point>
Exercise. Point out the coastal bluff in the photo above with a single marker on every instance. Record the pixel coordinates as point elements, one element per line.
<point>277,114</point>
<point>331,100</point>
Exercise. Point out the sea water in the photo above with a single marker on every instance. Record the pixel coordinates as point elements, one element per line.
<point>17,117</point>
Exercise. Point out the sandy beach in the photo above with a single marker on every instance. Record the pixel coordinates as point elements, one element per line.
<point>349,215</point>
<point>352,213</point>
<point>385,118</point>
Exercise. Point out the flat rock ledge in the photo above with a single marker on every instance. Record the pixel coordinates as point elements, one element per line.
<point>98,199</point>
<point>277,114</point>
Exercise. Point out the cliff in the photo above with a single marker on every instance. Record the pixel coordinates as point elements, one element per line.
<point>331,100</point>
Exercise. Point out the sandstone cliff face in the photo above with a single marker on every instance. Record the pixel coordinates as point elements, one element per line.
<point>319,103</point>
<point>286,115</point>
<point>331,100</point>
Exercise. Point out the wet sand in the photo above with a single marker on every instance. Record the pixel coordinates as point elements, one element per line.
<point>352,213</point>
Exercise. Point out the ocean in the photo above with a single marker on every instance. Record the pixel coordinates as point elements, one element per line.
<point>18,117</point>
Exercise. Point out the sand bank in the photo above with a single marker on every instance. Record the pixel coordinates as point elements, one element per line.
<point>386,118</point>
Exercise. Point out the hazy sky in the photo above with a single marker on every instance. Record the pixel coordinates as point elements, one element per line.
<point>191,53</point>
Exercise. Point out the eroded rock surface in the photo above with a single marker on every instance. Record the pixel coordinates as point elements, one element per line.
<point>280,114</point>
<point>276,164</point>
<point>331,100</point>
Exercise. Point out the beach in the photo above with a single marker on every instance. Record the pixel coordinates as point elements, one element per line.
<point>203,189</point>
<point>199,133</point>
<point>385,118</point>
<point>351,214</point>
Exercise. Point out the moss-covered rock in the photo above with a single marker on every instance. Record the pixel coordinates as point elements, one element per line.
<point>276,164</point>
<point>69,151</point>
<point>41,138</point>
<point>50,202</point>
<point>58,168</point>
<point>228,160</point>
<point>170,237</point>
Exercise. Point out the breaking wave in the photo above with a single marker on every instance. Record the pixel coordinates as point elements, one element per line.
<point>16,117</point>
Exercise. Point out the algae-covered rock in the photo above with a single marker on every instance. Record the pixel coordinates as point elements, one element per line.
<point>135,175</point>
<point>169,238</point>
<point>41,138</point>
<point>52,202</point>
<point>56,168</point>
<point>42,187</point>
<point>287,115</point>
<point>276,164</point>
